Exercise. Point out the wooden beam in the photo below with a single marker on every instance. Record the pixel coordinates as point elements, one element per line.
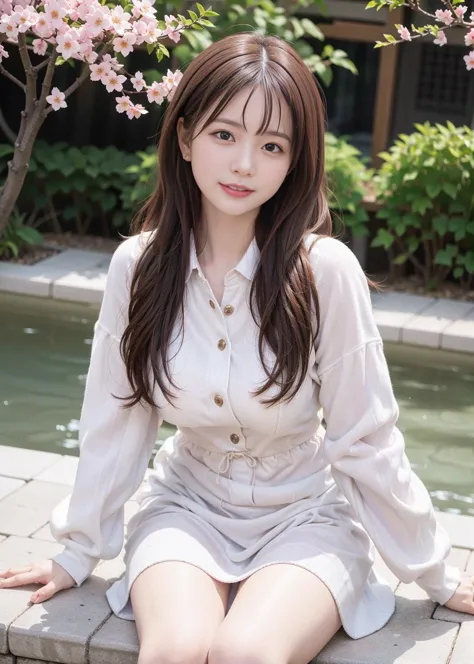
<point>353,31</point>
<point>385,90</point>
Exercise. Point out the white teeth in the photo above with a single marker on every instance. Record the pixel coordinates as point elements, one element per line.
<point>237,188</point>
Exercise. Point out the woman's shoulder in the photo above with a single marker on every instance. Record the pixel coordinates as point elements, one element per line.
<point>330,257</point>
<point>125,257</point>
<point>129,250</point>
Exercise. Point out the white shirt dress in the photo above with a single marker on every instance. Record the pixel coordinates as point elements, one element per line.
<point>241,486</point>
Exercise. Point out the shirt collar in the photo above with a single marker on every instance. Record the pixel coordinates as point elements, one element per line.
<point>246,266</point>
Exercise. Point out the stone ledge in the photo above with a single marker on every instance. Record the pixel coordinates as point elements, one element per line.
<point>80,276</point>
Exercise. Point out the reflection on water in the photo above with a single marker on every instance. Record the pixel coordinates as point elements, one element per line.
<point>44,356</point>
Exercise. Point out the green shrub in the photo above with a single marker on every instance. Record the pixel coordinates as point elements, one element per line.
<point>71,187</point>
<point>18,236</point>
<point>426,188</point>
<point>347,178</point>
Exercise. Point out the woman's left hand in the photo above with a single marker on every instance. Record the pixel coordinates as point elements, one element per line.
<point>463,598</point>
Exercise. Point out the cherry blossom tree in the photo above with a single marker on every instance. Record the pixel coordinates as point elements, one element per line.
<point>94,37</point>
<point>452,14</point>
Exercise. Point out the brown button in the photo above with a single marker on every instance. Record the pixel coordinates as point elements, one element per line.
<point>228,309</point>
<point>222,344</point>
<point>213,306</point>
<point>218,400</point>
<point>234,438</point>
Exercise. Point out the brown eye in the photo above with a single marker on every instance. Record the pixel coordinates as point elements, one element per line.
<point>226,133</point>
<point>274,145</point>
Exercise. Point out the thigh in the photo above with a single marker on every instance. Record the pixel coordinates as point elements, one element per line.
<point>281,614</point>
<point>177,609</point>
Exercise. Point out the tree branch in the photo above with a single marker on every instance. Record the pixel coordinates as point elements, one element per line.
<point>4,126</point>
<point>12,78</point>
<point>79,80</point>
<point>30,74</point>
<point>41,65</point>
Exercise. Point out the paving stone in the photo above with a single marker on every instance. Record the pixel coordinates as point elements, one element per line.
<point>459,528</point>
<point>25,660</point>
<point>421,605</point>
<point>24,279</point>
<point>9,659</point>
<point>406,639</point>
<point>116,642</point>
<point>62,472</point>
<point>24,464</point>
<point>44,534</point>
<point>462,653</point>
<point>460,335</point>
<point>86,286</point>
<point>74,259</point>
<point>392,311</point>
<point>459,558</point>
<point>9,485</point>
<point>29,508</point>
<point>427,329</point>
<point>59,629</point>
<point>17,552</point>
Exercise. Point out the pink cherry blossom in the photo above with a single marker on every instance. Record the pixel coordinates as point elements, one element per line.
<point>55,12</point>
<point>137,81</point>
<point>100,71</point>
<point>42,27</point>
<point>469,38</point>
<point>404,33</point>
<point>471,17</point>
<point>3,53</point>
<point>56,99</point>
<point>444,16</point>
<point>120,20</point>
<point>469,60</point>
<point>123,104</point>
<point>114,82</point>
<point>155,93</point>
<point>8,25</point>
<point>172,79</point>
<point>136,111</point>
<point>40,46</point>
<point>441,39</point>
<point>460,11</point>
<point>67,45</point>
<point>97,22</point>
<point>124,44</point>
<point>26,17</point>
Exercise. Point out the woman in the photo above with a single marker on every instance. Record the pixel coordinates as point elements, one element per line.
<point>234,315</point>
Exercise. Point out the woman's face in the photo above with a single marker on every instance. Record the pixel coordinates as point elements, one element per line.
<point>227,153</point>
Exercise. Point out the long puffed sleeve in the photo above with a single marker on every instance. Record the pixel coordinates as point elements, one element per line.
<point>115,443</point>
<point>365,448</point>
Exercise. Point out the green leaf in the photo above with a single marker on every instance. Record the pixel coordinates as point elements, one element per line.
<point>450,189</point>
<point>6,150</point>
<point>433,189</point>
<point>311,29</point>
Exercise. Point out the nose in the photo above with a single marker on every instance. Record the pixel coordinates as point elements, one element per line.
<point>244,162</point>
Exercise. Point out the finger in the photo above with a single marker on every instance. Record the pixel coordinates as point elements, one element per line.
<point>11,572</point>
<point>44,593</point>
<point>20,580</point>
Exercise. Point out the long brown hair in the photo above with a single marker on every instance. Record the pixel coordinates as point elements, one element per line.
<point>283,294</point>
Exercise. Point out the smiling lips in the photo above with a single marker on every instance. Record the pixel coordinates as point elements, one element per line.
<point>235,190</point>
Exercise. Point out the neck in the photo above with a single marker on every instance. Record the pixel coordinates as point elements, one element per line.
<point>222,243</point>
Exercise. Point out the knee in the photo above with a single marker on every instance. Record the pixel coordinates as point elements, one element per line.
<point>241,651</point>
<point>169,653</point>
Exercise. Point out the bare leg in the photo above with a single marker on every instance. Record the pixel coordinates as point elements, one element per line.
<point>282,614</point>
<point>178,609</point>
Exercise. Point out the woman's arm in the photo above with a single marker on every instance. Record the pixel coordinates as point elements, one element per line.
<point>115,443</point>
<point>363,444</point>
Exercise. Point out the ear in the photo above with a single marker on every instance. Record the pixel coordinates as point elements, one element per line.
<point>183,139</point>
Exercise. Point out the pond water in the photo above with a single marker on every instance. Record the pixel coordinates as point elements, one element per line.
<point>44,356</point>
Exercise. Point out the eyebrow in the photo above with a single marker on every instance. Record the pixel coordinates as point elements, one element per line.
<point>238,124</point>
